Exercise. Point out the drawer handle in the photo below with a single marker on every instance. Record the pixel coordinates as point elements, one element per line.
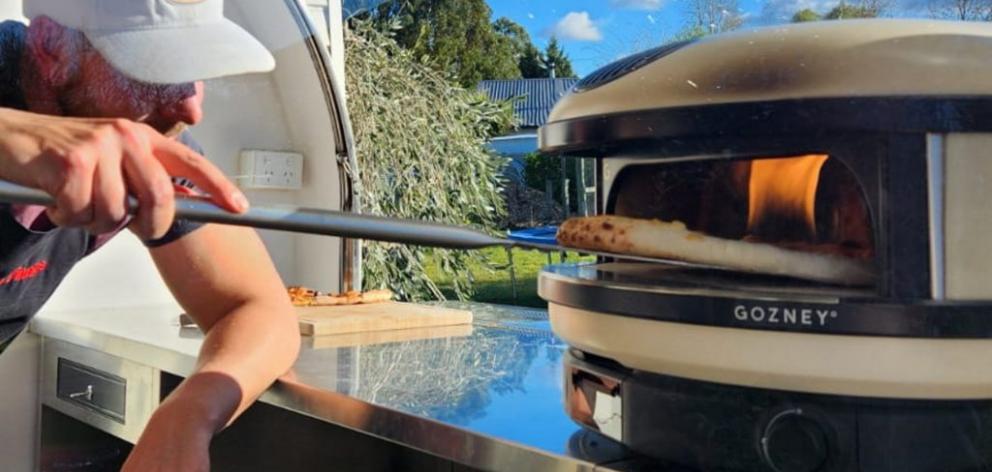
<point>85,395</point>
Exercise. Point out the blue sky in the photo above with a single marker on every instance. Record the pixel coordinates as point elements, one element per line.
<point>596,32</point>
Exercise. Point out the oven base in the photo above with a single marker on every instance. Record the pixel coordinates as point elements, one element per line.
<point>863,366</point>
<point>713,426</point>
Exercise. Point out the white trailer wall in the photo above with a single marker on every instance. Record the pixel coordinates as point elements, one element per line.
<point>278,111</point>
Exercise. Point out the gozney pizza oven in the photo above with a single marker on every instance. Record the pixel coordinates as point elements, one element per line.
<point>871,140</point>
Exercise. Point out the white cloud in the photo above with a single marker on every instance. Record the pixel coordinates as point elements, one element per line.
<point>577,26</point>
<point>530,15</point>
<point>637,4</point>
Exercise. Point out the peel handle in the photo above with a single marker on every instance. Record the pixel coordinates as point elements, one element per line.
<point>301,220</point>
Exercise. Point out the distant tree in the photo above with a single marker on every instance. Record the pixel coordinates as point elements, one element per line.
<point>880,7</point>
<point>714,16</point>
<point>964,10</point>
<point>689,33</point>
<point>532,64</point>
<point>516,35</point>
<point>539,169</point>
<point>805,15</point>
<point>535,64</point>
<point>455,36</point>
<point>556,60</point>
<point>845,11</point>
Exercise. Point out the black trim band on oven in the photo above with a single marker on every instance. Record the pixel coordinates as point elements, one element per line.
<point>719,425</point>
<point>870,317</point>
<point>630,131</point>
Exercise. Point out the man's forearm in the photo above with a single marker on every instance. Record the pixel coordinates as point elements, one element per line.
<point>242,354</point>
<point>223,277</point>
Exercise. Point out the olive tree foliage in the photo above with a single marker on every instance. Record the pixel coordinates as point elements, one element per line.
<point>421,147</point>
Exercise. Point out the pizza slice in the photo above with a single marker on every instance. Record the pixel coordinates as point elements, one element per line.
<point>672,240</point>
<point>303,296</point>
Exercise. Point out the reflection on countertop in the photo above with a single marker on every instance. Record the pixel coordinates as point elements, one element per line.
<point>487,395</point>
<point>502,376</point>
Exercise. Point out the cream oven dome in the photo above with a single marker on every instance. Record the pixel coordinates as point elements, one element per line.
<point>895,118</point>
<point>840,59</point>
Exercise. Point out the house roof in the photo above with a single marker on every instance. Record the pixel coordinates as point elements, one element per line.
<point>538,96</point>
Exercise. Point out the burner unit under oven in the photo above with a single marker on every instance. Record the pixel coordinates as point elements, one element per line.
<point>867,139</point>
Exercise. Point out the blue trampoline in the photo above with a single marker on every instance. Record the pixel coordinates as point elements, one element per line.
<point>541,235</point>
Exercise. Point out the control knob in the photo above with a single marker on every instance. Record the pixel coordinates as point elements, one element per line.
<point>794,442</point>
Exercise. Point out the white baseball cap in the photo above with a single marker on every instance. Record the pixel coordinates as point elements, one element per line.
<point>161,41</point>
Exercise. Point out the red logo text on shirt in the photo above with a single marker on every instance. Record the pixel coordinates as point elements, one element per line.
<point>24,273</point>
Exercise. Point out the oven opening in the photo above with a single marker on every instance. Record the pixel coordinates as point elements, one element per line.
<point>811,203</point>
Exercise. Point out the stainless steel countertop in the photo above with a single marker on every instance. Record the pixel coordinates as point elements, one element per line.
<point>488,396</point>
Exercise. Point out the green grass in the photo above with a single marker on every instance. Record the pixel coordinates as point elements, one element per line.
<point>494,285</point>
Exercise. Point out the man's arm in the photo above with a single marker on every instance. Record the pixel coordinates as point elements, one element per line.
<point>223,278</point>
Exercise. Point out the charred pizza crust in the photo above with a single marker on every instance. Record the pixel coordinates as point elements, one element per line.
<point>672,240</point>
<point>301,296</point>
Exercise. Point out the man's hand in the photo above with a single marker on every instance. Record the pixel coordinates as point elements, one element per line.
<point>90,166</point>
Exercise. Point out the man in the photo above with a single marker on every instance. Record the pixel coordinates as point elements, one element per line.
<point>127,71</point>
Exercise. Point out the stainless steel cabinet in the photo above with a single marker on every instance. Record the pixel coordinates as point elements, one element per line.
<point>114,395</point>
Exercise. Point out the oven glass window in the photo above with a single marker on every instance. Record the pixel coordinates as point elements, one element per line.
<point>810,202</point>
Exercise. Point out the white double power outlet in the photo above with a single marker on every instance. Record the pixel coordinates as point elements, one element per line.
<point>271,170</point>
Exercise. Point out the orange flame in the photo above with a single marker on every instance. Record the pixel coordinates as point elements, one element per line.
<point>784,190</point>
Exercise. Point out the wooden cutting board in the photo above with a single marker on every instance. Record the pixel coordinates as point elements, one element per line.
<point>341,319</point>
<point>393,336</point>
